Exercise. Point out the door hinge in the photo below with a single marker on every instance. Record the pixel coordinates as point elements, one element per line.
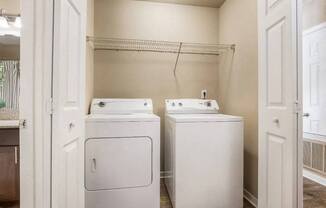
<point>297,107</point>
<point>50,106</point>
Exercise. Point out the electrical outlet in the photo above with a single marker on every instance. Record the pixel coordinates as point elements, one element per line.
<point>203,94</point>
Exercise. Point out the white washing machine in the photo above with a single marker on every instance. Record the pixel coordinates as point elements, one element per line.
<point>122,154</point>
<point>203,154</point>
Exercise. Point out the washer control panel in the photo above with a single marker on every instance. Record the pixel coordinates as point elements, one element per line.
<point>191,106</point>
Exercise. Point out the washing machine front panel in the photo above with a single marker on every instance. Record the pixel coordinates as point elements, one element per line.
<point>205,152</point>
<point>209,164</point>
<point>118,163</point>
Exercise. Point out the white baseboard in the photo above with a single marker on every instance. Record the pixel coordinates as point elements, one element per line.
<point>250,197</point>
<point>314,177</point>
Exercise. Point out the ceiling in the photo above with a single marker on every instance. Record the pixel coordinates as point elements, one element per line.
<point>206,3</point>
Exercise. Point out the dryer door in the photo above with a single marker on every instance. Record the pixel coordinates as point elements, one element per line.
<point>117,163</point>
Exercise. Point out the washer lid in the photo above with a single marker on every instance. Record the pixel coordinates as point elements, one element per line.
<point>193,118</point>
<point>121,106</point>
<point>191,106</point>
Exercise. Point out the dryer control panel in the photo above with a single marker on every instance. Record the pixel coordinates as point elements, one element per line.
<point>121,106</point>
<point>191,106</point>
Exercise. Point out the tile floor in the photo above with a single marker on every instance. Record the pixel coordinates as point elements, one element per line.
<point>165,201</point>
<point>314,194</point>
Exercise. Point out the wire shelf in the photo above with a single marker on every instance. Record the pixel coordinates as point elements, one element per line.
<point>158,46</point>
<point>114,44</point>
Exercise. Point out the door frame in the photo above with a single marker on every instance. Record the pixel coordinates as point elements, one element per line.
<point>299,79</point>
<point>35,103</point>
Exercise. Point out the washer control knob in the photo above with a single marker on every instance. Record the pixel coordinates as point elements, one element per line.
<point>101,104</point>
<point>180,104</point>
<point>173,104</point>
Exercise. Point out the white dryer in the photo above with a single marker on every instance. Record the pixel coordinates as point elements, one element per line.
<point>203,154</point>
<point>122,154</point>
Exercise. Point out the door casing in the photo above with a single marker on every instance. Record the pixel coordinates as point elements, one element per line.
<point>35,103</point>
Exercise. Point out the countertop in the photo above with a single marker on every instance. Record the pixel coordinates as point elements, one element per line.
<point>9,124</point>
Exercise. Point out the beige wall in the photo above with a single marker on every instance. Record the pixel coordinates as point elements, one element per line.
<point>9,52</point>
<point>150,75</point>
<point>314,13</point>
<point>158,21</point>
<point>11,6</point>
<point>89,55</point>
<point>238,86</point>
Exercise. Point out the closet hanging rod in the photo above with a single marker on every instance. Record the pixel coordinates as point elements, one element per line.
<point>157,51</point>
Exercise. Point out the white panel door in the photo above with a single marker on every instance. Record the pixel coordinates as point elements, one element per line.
<point>277,103</point>
<point>314,80</point>
<point>68,99</point>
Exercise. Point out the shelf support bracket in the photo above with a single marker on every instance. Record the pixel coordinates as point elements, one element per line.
<point>233,48</point>
<point>177,59</point>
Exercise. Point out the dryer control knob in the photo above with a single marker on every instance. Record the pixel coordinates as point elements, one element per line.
<point>101,104</point>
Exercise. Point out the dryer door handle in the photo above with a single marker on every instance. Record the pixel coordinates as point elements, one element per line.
<point>93,166</point>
